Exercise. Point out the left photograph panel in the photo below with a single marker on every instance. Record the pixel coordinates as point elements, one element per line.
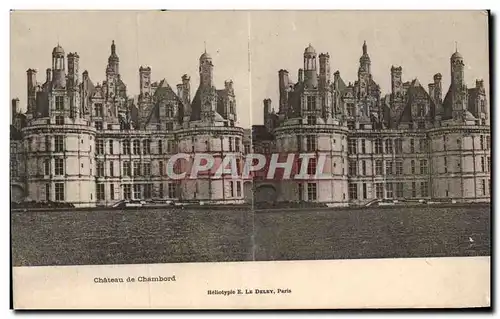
<point>123,125</point>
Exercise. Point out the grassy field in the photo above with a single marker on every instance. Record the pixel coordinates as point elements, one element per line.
<point>161,236</point>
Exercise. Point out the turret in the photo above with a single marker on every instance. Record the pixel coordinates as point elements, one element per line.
<point>364,61</point>
<point>145,81</point>
<point>73,70</point>
<point>58,68</point>
<point>206,70</point>
<point>31,90</point>
<point>310,72</point>
<point>396,80</point>
<point>113,67</point>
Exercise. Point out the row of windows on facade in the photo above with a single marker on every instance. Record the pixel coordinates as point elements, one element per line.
<point>391,145</point>
<point>234,146</point>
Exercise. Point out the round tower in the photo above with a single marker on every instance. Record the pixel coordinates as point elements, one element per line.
<point>310,72</point>
<point>206,70</point>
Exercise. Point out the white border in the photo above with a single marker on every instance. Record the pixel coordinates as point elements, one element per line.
<point>6,5</point>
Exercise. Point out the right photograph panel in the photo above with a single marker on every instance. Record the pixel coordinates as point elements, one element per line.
<point>374,127</point>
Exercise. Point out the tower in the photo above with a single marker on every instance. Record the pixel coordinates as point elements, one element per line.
<point>310,75</point>
<point>283,85</point>
<point>458,87</point>
<point>364,61</point>
<point>206,70</point>
<point>31,91</point>
<point>113,61</point>
<point>145,82</point>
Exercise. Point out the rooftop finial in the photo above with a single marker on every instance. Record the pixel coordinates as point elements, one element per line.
<point>364,47</point>
<point>205,44</point>
<point>456,46</point>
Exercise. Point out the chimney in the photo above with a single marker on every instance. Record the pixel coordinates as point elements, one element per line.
<point>301,75</point>
<point>48,73</point>
<point>267,106</point>
<point>437,88</point>
<point>179,90</point>
<point>15,107</point>
<point>432,88</point>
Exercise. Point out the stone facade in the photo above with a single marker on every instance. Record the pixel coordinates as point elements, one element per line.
<point>407,144</point>
<point>91,144</point>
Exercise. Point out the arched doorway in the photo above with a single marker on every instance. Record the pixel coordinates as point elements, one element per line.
<point>16,193</point>
<point>265,194</point>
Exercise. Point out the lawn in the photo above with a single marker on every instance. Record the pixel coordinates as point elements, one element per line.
<point>162,236</point>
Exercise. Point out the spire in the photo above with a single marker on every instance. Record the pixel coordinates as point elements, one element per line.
<point>365,50</point>
<point>113,48</point>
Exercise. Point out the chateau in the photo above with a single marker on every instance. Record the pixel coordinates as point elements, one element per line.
<point>411,143</point>
<point>91,144</point>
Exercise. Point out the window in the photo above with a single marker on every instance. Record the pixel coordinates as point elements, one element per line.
<point>160,147</point>
<point>363,146</point>
<point>137,191</point>
<point>237,142</point>
<point>445,164</point>
<point>100,168</point>
<point>412,146</point>
<point>47,192</point>
<point>59,188</point>
<point>365,191</point>
<point>488,167</point>
<point>481,141</point>
<point>126,169</point>
<point>99,147</point>
<point>98,110</point>
<point>59,103</point>
<point>350,125</point>
<point>388,168</point>
<point>59,166</point>
<point>311,103</point>
<point>169,126</point>
<point>398,145</point>
<point>110,126</point>
<point>399,167</point>
<point>421,110</point>
<point>127,191</point>
<point>379,149</point>
<point>423,166</point>
<point>100,191</point>
<point>311,143</point>
<point>111,147</point>
<point>170,146</point>
<point>231,144</point>
<point>390,192</point>
<point>301,191</point>
<point>59,143</point>
<point>59,120</point>
<point>231,107</point>
<point>247,148</point>
<point>98,125</point>
<point>160,168</point>
<point>488,142</point>
<point>413,169</point>
<point>483,165</point>
<point>413,189</point>
<point>231,184</point>
<point>160,190</point>
<point>388,146</point>
<point>424,189</point>
<point>111,169</point>
<point>46,167</point>
<point>47,143</point>
<point>112,191</point>
<point>126,147</point>
<point>172,190</point>
<point>311,120</point>
<point>148,190</point>
<point>146,147</point>
<point>238,189</point>
<point>379,190</point>
<point>363,168</point>
<point>137,168</point>
<point>483,106</point>
<point>483,187</point>
<point>353,169</point>
<point>136,147</point>
<point>379,169</point>
<point>350,109</point>
<point>311,167</point>
<point>353,191</point>
<point>170,111</point>
<point>399,190</point>
<point>351,146</point>
<point>311,191</point>
<point>444,142</point>
<point>146,169</point>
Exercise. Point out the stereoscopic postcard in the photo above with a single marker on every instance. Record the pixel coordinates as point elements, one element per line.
<point>250,159</point>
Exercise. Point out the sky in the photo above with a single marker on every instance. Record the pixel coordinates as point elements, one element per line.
<point>250,47</point>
